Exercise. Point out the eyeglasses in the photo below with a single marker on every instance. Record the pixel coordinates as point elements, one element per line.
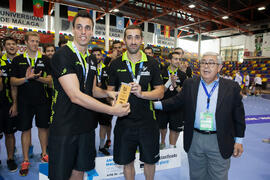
<point>210,64</point>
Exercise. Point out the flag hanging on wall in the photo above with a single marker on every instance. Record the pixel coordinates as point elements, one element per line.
<point>157,29</point>
<point>12,5</point>
<point>15,6</point>
<point>90,12</point>
<point>72,11</point>
<point>167,31</point>
<point>38,8</point>
<point>120,22</point>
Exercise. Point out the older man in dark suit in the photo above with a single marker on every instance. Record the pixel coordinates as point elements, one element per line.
<point>214,120</point>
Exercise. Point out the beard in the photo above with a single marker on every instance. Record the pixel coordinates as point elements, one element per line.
<point>133,51</point>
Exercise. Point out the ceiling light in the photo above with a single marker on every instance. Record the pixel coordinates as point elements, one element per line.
<point>261,8</point>
<point>116,10</point>
<point>225,17</point>
<point>102,18</point>
<point>191,6</point>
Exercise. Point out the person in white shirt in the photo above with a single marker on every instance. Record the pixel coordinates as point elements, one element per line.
<point>238,78</point>
<point>247,82</point>
<point>258,84</point>
<point>227,76</point>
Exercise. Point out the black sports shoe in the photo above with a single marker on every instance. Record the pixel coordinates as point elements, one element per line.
<point>107,144</point>
<point>104,151</point>
<point>12,166</point>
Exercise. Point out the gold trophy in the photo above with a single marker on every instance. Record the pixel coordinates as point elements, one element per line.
<point>123,95</point>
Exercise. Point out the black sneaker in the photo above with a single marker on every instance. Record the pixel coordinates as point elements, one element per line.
<point>12,166</point>
<point>107,144</point>
<point>104,151</point>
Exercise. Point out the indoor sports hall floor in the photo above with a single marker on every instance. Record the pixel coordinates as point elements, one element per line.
<point>253,165</point>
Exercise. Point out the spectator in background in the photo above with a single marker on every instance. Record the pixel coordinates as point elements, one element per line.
<point>258,84</point>
<point>30,72</point>
<point>103,119</point>
<point>10,110</point>
<point>252,89</point>
<point>149,51</point>
<point>184,66</point>
<point>49,50</point>
<point>173,79</point>
<point>227,76</point>
<point>117,49</point>
<point>62,42</point>
<point>238,78</point>
<point>246,84</point>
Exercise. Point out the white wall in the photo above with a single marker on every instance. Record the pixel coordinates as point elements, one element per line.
<point>233,41</point>
<point>187,45</point>
<point>210,45</point>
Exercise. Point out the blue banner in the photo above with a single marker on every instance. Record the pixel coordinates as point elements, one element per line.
<point>120,22</point>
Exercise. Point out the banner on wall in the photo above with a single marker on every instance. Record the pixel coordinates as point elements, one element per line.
<point>266,45</point>
<point>114,32</point>
<point>24,19</point>
<point>106,168</point>
<point>162,41</point>
<point>222,54</point>
<point>19,35</point>
<point>258,44</point>
<point>234,55</point>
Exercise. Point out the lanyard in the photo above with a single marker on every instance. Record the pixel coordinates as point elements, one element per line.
<point>9,62</point>
<point>85,69</point>
<point>170,74</point>
<point>209,94</point>
<point>32,64</point>
<point>99,73</point>
<point>136,80</point>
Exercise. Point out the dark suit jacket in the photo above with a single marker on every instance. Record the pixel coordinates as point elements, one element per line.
<point>230,115</point>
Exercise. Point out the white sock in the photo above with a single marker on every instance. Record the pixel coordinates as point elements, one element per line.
<point>102,142</point>
<point>172,146</point>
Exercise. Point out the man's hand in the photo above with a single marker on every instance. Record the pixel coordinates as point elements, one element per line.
<point>173,79</point>
<point>121,109</point>
<point>31,75</point>
<point>1,73</point>
<point>238,150</point>
<point>37,75</point>
<point>13,110</point>
<point>112,95</point>
<point>136,89</point>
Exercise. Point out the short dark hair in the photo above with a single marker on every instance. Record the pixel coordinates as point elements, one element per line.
<point>83,14</point>
<point>115,42</point>
<point>171,55</point>
<point>48,45</point>
<point>178,48</point>
<point>133,27</point>
<point>62,41</point>
<point>148,47</point>
<point>96,49</point>
<point>7,39</point>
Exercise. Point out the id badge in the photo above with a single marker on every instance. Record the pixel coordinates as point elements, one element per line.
<point>206,121</point>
